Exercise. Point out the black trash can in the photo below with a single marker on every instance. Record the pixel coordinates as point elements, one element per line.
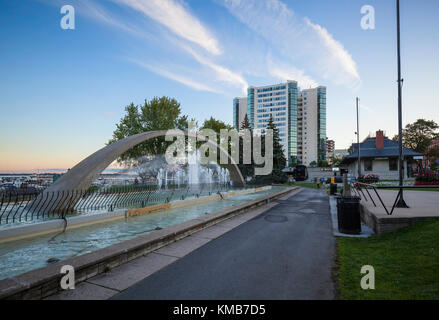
<point>333,189</point>
<point>348,213</point>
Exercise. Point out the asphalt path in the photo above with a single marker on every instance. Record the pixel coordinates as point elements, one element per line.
<point>285,253</point>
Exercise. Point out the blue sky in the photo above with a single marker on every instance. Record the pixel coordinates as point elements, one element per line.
<point>63,91</point>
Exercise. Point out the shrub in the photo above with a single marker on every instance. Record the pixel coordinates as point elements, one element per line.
<point>369,178</point>
<point>426,178</point>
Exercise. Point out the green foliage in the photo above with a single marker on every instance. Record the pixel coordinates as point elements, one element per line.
<point>313,164</point>
<point>335,162</point>
<point>419,135</point>
<point>311,185</point>
<point>245,123</point>
<point>433,152</point>
<point>158,114</point>
<point>247,170</point>
<point>433,156</point>
<point>279,160</point>
<point>215,125</point>
<point>323,164</point>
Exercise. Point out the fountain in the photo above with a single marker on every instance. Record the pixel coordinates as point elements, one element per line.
<point>193,174</point>
<point>193,168</point>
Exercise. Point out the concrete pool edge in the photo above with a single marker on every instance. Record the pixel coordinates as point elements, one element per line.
<point>52,226</point>
<point>44,282</point>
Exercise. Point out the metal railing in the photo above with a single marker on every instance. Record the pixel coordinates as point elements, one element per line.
<point>41,205</point>
<point>358,188</point>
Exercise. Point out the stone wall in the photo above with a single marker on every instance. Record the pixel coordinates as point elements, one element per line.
<point>388,224</point>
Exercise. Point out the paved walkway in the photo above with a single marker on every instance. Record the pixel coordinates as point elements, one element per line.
<point>284,253</point>
<point>106,285</point>
<point>421,203</point>
<point>283,250</point>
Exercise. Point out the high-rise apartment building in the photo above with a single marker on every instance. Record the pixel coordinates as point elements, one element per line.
<point>312,125</point>
<point>330,148</point>
<point>300,117</point>
<point>239,111</point>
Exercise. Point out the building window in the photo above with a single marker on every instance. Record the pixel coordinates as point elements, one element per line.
<point>368,165</point>
<point>393,164</point>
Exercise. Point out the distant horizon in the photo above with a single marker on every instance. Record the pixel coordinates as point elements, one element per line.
<point>54,171</point>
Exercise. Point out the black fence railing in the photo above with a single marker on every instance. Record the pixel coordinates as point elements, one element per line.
<point>29,206</point>
<point>362,191</point>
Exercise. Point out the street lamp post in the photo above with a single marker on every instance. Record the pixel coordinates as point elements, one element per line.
<point>401,203</point>
<point>358,139</point>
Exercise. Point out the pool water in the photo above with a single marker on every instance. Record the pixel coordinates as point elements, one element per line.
<point>20,256</point>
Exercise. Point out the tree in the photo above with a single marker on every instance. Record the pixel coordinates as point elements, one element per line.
<point>158,114</point>
<point>245,124</point>
<point>433,156</point>
<point>294,161</point>
<point>215,125</point>
<point>279,160</point>
<point>419,135</point>
<point>323,164</point>
<point>247,170</point>
<point>335,162</point>
<point>313,164</point>
<point>433,152</point>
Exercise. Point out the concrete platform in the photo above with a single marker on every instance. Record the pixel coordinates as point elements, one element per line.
<point>423,205</point>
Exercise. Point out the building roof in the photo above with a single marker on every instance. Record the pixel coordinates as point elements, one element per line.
<point>368,149</point>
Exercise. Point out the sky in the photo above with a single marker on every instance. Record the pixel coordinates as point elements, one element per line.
<point>63,91</point>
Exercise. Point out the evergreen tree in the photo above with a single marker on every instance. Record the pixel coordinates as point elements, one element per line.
<point>279,160</point>
<point>247,170</point>
<point>245,124</point>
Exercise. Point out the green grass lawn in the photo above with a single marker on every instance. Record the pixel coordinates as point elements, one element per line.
<point>416,189</point>
<point>339,189</point>
<point>406,264</point>
<point>311,185</point>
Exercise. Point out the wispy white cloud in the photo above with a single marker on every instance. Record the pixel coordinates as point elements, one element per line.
<point>297,39</point>
<point>222,73</point>
<point>176,17</point>
<point>88,8</point>
<point>186,33</point>
<point>175,77</point>
<point>336,57</point>
<point>284,72</point>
